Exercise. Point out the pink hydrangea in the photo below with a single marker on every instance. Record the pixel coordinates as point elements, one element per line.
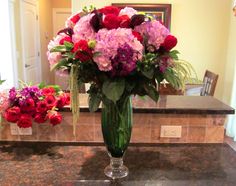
<point>83,29</point>
<point>108,41</point>
<point>128,11</point>
<point>53,57</point>
<point>154,31</point>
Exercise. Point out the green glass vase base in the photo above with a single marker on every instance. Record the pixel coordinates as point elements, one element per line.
<point>116,169</point>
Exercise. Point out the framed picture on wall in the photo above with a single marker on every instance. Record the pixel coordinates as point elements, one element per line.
<point>161,12</point>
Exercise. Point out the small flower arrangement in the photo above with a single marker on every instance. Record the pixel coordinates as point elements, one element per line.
<point>35,104</point>
<point>120,52</point>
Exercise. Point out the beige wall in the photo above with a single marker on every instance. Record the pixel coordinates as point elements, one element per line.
<point>230,70</point>
<point>45,22</point>
<point>61,3</point>
<point>202,30</point>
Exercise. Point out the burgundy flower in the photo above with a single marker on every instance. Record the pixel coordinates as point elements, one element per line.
<point>42,106</point>
<point>110,10</point>
<point>111,21</point>
<point>136,20</point>
<point>51,101</point>
<point>83,52</point>
<point>25,121</point>
<point>40,118</point>
<point>138,36</point>
<point>55,118</point>
<point>66,38</point>
<point>96,21</point>
<point>124,21</point>
<point>27,105</point>
<point>75,18</point>
<point>169,42</point>
<point>48,91</point>
<point>61,102</point>
<point>12,114</point>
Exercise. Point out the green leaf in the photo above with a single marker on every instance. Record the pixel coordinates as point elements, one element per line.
<point>173,54</point>
<point>113,89</point>
<point>2,81</point>
<point>60,48</point>
<point>148,73</point>
<point>62,62</point>
<point>68,45</point>
<point>152,92</point>
<point>94,102</point>
<point>41,85</point>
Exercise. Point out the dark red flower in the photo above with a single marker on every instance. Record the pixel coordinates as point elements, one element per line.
<point>12,114</point>
<point>110,10</point>
<point>27,106</point>
<point>55,118</point>
<point>42,106</point>
<point>40,118</point>
<point>75,18</point>
<point>51,101</point>
<point>25,121</point>
<point>66,38</point>
<point>111,21</point>
<point>61,102</point>
<point>48,91</point>
<point>83,52</point>
<point>169,43</point>
<point>136,20</point>
<point>96,21</point>
<point>124,21</point>
<point>67,96</point>
<point>138,36</point>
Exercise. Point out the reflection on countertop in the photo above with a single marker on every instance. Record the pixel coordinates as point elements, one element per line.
<point>160,164</point>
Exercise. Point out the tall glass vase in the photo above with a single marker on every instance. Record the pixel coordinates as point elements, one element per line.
<point>116,129</point>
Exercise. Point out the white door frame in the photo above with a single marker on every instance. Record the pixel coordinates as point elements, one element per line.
<point>13,42</point>
<point>33,2</point>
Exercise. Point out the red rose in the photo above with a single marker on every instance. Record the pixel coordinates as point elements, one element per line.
<point>25,121</point>
<point>83,52</point>
<point>75,18</point>
<point>51,101</point>
<point>48,91</point>
<point>12,114</point>
<point>66,38</point>
<point>61,102</point>
<point>169,43</point>
<point>40,118</point>
<point>110,10</point>
<point>124,21</point>
<point>55,118</point>
<point>28,106</point>
<point>42,106</point>
<point>67,96</point>
<point>138,36</point>
<point>111,21</point>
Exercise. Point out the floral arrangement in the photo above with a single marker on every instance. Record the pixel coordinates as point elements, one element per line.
<point>120,52</point>
<point>34,103</point>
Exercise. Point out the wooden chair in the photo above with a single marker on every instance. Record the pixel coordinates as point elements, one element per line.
<point>209,80</point>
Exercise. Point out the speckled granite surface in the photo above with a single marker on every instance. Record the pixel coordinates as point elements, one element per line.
<point>182,164</point>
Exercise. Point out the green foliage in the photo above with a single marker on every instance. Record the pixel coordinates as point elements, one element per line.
<point>2,81</point>
<point>113,89</point>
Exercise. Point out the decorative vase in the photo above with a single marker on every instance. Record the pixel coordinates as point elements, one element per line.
<point>116,128</point>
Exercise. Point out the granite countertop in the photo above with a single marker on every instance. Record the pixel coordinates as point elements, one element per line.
<point>180,164</point>
<point>170,104</point>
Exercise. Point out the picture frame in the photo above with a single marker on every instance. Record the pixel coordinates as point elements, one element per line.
<point>162,12</point>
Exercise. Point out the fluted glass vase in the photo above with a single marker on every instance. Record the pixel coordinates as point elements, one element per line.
<point>116,128</point>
